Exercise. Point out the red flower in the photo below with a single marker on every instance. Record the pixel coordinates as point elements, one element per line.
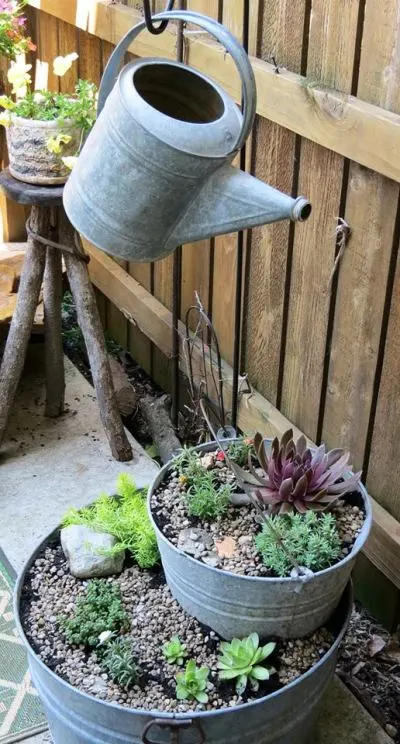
<point>220,456</point>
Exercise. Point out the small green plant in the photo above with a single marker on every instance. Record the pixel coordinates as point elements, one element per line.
<point>188,466</point>
<point>124,517</point>
<point>310,540</point>
<point>100,609</point>
<point>207,500</point>
<point>119,662</point>
<point>192,683</point>
<point>174,651</point>
<point>239,450</point>
<point>242,660</point>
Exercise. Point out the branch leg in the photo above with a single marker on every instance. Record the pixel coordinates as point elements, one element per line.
<point>52,295</point>
<point>89,321</point>
<point>22,321</point>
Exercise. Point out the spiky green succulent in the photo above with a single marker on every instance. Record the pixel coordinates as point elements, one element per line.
<point>192,683</point>
<point>243,660</point>
<point>174,651</point>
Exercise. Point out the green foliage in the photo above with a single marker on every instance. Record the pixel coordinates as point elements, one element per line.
<point>125,517</point>
<point>239,450</point>
<point>174,651</point>
<point>206,500</point>
<point>308,540</point>
<point>45,105</point>
<point>242,660</point>
<point>188,465</point>
<point>100,609</point>
<point>192,683</point>
<point>118,660</point>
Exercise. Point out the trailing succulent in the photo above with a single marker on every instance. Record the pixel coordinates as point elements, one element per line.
<point>243,660</point>
<point>295,478</point>
<point>192,683</point>
<point>174,651</point>
<point>310,540</point>
<point>100,609</point>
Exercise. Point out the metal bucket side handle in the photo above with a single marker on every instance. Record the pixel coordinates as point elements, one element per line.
<point>238,54</point>
<point>175,726</point>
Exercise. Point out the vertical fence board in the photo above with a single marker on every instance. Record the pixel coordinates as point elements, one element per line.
<point>384,465</point>
<point>371,212</point>
<point>281,36</point>
<point>331,50</point>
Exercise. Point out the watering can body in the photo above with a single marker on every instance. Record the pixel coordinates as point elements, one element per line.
<point>155,171</point>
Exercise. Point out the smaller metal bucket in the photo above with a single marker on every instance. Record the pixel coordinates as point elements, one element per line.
<point>235,606</point>
<point>284,717</point>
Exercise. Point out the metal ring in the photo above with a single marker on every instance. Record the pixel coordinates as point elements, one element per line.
<point>149,20</point>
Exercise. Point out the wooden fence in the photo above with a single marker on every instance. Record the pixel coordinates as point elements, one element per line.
<point>319,345</point>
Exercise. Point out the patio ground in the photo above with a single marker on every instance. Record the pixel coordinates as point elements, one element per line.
<point>48,465</point>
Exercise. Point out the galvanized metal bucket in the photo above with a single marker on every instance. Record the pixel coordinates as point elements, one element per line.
<point>284,717</point>
<point>235,606</point>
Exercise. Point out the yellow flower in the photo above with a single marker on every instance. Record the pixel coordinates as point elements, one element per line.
<point>5,120</point>
<point>6,103</point>
<point>54,144</point>
<point>18,76</point>
<point>70,161</point>
<point>62,64</point>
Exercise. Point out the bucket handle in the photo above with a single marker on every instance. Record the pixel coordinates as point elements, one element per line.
<point>175,725</point>
<point>238,54</point>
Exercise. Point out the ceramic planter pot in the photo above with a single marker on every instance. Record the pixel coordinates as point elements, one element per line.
<point>284,717</point>
<point>30,159</point>
<point>235,606</point>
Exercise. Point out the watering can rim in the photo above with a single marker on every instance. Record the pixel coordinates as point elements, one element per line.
<point>223,36</point>
<point>197,139</point>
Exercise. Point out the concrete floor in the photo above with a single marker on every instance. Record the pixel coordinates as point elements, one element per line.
<point>48,465</point>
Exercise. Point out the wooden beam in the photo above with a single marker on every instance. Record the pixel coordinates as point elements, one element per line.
<point>345,124</point>
<point>255,412</point>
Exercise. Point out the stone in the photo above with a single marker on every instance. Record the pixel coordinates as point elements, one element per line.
<point>211,559</point>
<point>83,548</point>
<point>194,541</point>
<point>240,499</point>
<point>208,460</point>
<point>226,548</point>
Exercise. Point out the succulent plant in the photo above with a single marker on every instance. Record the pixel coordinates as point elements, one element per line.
<point>242,660</point>
<point>192,683</point>
<point>119,662</point>
<point>295,478</point>
<point>174,651</point>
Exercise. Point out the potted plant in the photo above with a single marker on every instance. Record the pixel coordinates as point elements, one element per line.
<point>13,37</point>
<point>46,129</point>
<point>116,660</point>
<point>259,536</point>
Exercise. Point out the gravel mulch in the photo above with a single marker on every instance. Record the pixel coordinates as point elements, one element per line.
<point>155,616</point>
<point>238,524</point>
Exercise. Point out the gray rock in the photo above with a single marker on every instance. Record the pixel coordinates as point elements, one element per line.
<point>194,541</point>
<point>83,549</point>
<point>211,559</point>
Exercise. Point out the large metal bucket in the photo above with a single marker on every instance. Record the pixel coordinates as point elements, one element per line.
<point>285,717</point>
<point>235,606</point>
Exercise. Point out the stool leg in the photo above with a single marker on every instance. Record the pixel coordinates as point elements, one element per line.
<point>52,295</point>
<point>89,321</point>
<point>24,314</point>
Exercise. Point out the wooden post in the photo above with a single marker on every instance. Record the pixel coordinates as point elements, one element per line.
<point>52,295</point>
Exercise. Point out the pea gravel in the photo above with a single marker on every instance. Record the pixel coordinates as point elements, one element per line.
<point>155,616</point>
<point>240,523</point>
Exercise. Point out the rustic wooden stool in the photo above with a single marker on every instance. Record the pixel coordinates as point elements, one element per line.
<point>51,236</point>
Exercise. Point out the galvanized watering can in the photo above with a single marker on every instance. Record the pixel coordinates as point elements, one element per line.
<point>155,171</point>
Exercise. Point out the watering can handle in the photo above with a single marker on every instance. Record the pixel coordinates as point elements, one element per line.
<point>249,95</point>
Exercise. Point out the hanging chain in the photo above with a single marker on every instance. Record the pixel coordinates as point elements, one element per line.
<point>148,17</point>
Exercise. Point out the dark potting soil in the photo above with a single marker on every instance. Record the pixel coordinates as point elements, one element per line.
<point>50,591</point>
<point>229,540</point>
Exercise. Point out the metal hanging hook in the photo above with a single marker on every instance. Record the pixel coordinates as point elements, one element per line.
<point>148,17</point>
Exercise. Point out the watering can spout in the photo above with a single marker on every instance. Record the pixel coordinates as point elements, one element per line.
<point>232,200</point>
